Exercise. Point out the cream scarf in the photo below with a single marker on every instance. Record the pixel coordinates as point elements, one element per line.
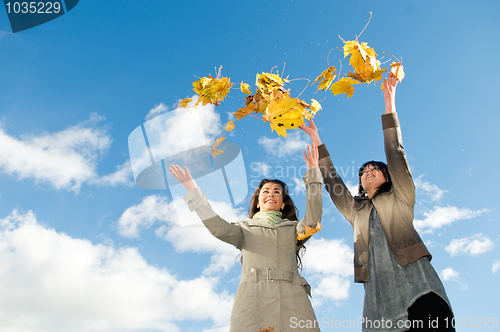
<point>271,216</point>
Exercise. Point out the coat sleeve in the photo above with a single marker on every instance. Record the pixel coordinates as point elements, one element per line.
<point>314,204</point>
<point>221,229</point>
<point>397,164</point>
<point>341,196</point>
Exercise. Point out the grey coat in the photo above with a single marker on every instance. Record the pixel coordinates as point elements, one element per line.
<point>271,292</point>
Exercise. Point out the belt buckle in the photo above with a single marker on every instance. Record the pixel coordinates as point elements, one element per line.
<point>269,273</point>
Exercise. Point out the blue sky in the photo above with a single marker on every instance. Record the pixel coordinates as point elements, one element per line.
<point>83,248</point>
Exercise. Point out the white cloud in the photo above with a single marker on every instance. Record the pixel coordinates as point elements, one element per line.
<point>473,245</point>
<point>353,188</point>
<point>450,274</point>
<point>182,130</point>
<point>65,159</point>
<point>157,110</point>
<point>262,169</point>
<point>53,282</point>
<point>430,192</point>
<point>196,238</point>
<point>122,176</point>
<point>291,145</point>
<point>495,267</point>
<point>300,186</point>
<point>441,216</point>
<point>330,278</point>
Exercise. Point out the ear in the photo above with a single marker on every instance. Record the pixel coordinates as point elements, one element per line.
<point>258,207</point>
<point>282,206</point>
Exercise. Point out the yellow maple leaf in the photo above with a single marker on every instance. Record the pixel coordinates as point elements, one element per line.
<point>214,151</point>
<point>316,106</point>
<point>244,87</point>
<point>309,231</point>
<point>230,126</point>
<point>327,77</point>
<point>212,90</point>
<point>344,85</point>
<point>364,61</point>
<point>287,113</point>
<point>397,70</point>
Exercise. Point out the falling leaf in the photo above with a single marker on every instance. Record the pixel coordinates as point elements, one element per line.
<point>214,151</point>
<point>327,77</point>
<point>185,102</point>
<point>397,70</point>
<point>244,87</point>
<point>309,231</point>
<point>212,90</point>
<point>287,113</point>
<point>344,85</point>
<point>315,106</point>
<point>364,61</point>
<point>230,126</point>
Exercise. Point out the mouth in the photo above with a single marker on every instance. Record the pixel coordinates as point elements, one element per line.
<point>270,201</point>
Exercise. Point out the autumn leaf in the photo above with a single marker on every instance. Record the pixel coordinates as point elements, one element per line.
<point>309,231</point>
<point>214,151</point>
<point>327,77</point>
<point>364,61</point>
<point>344,85</point>
<point>185,102</point>
<point>315,106</point>
<point>244,87</point>
<point>397,70</point>
<point>287,113</point>
<point>230,126</point>
<point>212,90</point>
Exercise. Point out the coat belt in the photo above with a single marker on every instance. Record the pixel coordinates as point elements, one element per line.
<point>269,275</point>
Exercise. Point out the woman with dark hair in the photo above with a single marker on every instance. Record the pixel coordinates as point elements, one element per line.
<point>271,292</point>
<point>402,290</point>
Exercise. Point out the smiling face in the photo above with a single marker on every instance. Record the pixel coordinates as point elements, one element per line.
<point>372,178</point>
<point>271,197</point>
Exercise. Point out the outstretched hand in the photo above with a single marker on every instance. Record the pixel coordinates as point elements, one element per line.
<point>312,131</point>
<point>312,156</point>
<point>390,93</point>
<point>183,176</point>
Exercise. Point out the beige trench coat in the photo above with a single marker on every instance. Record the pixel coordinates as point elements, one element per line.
<point>271,292</point>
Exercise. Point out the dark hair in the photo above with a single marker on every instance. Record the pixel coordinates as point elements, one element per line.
<point>289,212</point>
<point>385,187</point>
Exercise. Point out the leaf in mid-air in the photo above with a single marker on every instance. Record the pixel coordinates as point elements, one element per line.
<point>344,85</point>
<point>397,70</point>
<point>214,151</point>
<point>230,126</point>
<point>185,102</point>
<point>212,90</point>
<point>244,87</point>
<point>326,77</point>
<point>287,113</point>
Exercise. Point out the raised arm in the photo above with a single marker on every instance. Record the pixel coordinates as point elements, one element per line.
<point>396,157</point>
<point>314,191</point>
<point>196,200</point>
<point>333,183</point>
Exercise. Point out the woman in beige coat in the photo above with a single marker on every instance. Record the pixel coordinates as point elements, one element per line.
<point>271,293</point>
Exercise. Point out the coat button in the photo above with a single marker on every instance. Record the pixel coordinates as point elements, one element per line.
<point>252,270</point>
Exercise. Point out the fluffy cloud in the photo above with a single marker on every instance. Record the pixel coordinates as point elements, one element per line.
<point>291,145</point>
<point>441,216</point>
<point>473,245</point>
<point>53,282</point>
<point>495,267</point>
<point>157,110</point>
<point>65,159</point>
<point>450,274</point>
<point>155,209</point>
<point>328,267</point>
<point>429,192</point>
